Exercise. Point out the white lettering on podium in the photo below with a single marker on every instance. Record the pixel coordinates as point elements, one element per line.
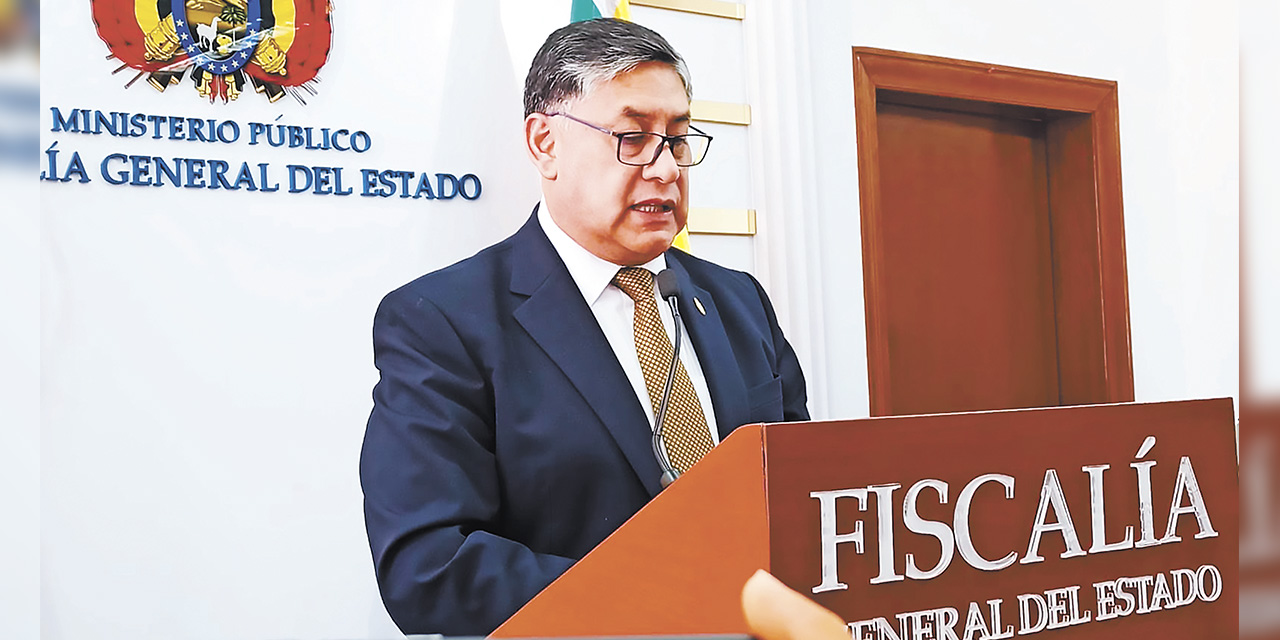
<point>827,530</point>
<point>1053,515</point>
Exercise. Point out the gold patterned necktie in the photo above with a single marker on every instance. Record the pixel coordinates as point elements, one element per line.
<point>684,433</point>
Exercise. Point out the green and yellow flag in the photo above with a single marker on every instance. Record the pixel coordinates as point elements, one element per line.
<point>587,9</point>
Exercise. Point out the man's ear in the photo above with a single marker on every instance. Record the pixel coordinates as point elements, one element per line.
<point>540,140</point>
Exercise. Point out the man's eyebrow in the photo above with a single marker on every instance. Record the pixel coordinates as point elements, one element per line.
<point>636,114</point>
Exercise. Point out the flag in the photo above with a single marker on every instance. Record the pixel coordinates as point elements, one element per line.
<point>587,9</point>
<point>622,10</point>
<point>583,10</point>
<point>681,240</point>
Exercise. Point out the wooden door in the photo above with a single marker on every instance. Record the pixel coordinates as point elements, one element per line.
<point>992,236</point>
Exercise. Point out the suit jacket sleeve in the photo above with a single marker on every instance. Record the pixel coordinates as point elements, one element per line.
<point>430,479</point>
<point>794,396</point>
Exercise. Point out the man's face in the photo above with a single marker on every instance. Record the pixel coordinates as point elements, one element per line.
<point>624,214</point>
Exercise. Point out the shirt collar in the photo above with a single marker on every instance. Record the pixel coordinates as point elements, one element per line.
<point>591,273</point>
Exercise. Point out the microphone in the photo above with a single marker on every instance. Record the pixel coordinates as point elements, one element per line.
<point>669,290</point>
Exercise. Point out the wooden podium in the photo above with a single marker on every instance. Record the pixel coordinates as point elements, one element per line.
<point>1019,518</point>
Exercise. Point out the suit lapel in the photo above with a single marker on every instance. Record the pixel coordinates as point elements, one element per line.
<point>715,354</point>
<point>560,322</point>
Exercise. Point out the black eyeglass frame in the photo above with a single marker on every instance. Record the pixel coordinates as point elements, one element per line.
<point>667,141</point>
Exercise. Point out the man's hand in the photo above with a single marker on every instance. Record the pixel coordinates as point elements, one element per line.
<point>775,612</point>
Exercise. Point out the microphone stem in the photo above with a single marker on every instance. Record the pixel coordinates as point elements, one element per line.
<point>659,450</point>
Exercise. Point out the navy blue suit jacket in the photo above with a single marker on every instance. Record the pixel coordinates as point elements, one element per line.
<point>505,441</point>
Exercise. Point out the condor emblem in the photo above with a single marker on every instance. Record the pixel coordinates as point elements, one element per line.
<point>276,47</point>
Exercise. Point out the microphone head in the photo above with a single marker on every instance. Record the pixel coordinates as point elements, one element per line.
<point>668,285</point>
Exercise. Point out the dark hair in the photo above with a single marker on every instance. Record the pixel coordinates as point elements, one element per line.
<point>578,57</point>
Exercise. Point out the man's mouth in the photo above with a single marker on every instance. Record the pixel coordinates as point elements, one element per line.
<point>653,206</point>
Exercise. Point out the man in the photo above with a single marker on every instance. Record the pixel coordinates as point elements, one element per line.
<point>511,428</point>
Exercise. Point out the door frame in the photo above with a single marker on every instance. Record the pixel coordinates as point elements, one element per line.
<point>1090,282</point>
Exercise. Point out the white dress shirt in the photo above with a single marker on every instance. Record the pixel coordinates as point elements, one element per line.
<point>615,312</point>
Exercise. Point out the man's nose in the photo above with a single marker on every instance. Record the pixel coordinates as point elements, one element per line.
<point>664,168</point>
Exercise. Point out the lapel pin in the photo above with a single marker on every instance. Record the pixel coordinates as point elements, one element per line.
<point>698,303</point>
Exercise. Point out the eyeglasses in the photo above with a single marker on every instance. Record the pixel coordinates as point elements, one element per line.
<point>642,148</point>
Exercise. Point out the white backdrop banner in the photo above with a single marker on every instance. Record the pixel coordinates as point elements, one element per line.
<point>211,262</point>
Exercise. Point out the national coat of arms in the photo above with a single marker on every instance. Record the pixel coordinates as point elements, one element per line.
<point>274,46</point>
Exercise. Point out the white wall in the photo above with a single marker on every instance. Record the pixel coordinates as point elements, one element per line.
<point>205,355</point>
<point>1260,198</point>
<point>19,352</point>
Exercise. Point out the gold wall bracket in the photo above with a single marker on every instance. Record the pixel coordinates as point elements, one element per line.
<point>724,222</point>
<point>717,8</point>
